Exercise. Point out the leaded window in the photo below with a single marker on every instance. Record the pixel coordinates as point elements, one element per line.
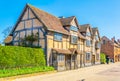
<point>57,36</point>
<point>96,37</point>
<point>87,56</point>
<point>88,43</point>
<point>60,57</point>
<point>88,34</point>
<point>73,28</point>
<point>74,39</point>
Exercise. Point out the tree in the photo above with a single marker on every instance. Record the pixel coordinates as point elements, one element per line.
<point>6,31</point>
<point>103,58</point>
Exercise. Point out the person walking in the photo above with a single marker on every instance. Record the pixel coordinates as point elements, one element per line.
<point>107,59</point>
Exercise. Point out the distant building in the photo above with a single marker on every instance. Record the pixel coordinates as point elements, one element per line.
<point>111,48</point>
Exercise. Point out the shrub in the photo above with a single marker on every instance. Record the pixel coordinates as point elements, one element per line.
<point>17,57</point>
<point>102,58</point>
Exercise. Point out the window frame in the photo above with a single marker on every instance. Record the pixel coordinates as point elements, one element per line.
<point>88,34</point>
<point>96,37</point>
<point>88,43</point>
<point>98,45</point>
<point>74,28</point>
<point>57,35</point>
<point>104,41</point>
<point>60,57</point>
<point>72,39</point>
<point>88,56</point>
<point>97,56</point>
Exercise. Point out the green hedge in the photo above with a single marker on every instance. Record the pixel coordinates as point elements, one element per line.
<point>103,58</point>
<point>17,57</point>
<point>26,70</point>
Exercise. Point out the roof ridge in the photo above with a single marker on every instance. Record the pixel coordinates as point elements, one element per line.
<point>69,16</point>
<point>41,10</point>
<point>84,24</point>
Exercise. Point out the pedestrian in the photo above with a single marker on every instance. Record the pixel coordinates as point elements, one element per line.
<point>107,59</point>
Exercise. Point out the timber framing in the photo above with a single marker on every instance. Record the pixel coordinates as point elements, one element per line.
<point>65,50</point>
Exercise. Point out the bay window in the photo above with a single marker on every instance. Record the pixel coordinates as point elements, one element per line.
<point>88,43</point>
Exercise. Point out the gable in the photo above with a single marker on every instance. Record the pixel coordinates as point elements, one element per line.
<point>27,20</point>
<point>28,14</point>
<point>97,34</point>
<point>88,30</point>
<point>51,22</point>
<point>73,23</point>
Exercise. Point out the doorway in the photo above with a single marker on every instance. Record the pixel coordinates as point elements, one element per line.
<point>93,59</point>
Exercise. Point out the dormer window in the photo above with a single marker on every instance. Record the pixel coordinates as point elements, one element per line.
<point>96,37</point>
<point>88,34</point>
<point>74,28</point>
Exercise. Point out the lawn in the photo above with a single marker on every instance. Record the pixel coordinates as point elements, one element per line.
<point>21,71</point>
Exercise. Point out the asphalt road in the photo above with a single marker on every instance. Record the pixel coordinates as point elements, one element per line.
<point>104,72</point>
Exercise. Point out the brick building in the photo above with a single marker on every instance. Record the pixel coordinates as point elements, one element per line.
<point>111,48</point>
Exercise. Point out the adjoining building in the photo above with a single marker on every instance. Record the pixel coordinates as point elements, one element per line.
<point>67,44</point>
<point>111,48</point>
<point>92,45</point>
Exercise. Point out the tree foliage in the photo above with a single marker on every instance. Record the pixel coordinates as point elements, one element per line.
<point>103,58</point>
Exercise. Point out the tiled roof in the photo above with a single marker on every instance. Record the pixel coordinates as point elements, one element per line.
<point>67,51</point>
<point>62,51</point>
<point>83,28</point>
<point>81,36</point>
<point>51,22</point>
<point>67,21</point>
<point>94,30</point>
<point>8,39</point>
<point>74,51</point>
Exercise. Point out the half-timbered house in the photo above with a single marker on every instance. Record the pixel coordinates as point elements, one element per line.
<point>92,44</point>
<point>60,37</point>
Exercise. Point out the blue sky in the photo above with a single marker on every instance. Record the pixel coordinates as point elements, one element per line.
<point>104,14</point>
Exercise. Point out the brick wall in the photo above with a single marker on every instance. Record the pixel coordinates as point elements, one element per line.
<point>108,47</point>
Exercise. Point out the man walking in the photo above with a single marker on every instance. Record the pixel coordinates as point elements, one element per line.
<point>107,59</point>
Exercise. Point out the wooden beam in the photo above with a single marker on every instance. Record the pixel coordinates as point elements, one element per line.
<point>28,19</point>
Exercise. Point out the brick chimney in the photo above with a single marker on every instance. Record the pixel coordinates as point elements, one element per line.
<point>118,40</point>
<point>113,39</point>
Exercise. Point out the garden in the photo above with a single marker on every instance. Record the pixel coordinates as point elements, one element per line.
<point>16,60</point>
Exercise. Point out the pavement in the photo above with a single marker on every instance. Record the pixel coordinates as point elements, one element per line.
<point>104,72</point>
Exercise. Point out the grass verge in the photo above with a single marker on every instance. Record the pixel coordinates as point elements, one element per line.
<point>22,71</point>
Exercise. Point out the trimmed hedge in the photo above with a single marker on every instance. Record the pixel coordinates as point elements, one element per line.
<point>26,70</point>
<point>102,58</point>
<point>17,57</point>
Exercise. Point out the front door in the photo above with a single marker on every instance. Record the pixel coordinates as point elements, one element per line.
<point>81,61</point>
<point>68,62</point>
<point>93,59</point>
